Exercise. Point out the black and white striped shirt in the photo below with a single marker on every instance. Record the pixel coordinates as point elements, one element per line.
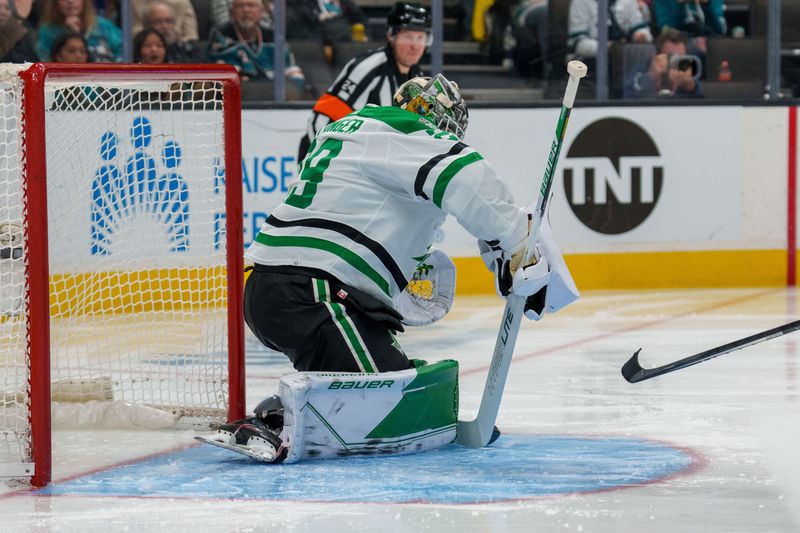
<point>370,78</point>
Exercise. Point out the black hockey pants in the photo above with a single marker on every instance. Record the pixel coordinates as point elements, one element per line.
<point>321,324</point>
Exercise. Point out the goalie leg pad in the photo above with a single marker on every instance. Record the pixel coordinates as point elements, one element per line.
<point>340,414</point>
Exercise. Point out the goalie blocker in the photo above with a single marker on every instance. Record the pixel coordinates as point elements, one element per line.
<point>326,415</point>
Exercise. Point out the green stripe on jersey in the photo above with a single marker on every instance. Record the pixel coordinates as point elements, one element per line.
<point>349,330</point>
<point>350,257</point>
<point>449,173</point>
<point>321,290</point>
<point>399,119</point>
<point>346,326</point>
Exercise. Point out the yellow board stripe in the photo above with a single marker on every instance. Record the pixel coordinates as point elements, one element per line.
<point>650,270</point>
<point>186,288</point>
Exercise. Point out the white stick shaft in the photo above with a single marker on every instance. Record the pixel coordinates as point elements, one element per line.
<point>577,70</point>
<point>571,92</point>
<point>476,433</point>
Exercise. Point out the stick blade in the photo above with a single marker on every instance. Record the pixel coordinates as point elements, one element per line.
<point>469,434</point>
<point>632,371</point>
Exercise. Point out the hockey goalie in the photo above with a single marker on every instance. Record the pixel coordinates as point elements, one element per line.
<point>346,262</point>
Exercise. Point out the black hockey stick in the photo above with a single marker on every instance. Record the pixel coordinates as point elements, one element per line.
<point>633,372</point>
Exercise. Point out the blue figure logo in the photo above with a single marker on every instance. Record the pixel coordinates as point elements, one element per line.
<point>139,191</point>
<point>171,199</point>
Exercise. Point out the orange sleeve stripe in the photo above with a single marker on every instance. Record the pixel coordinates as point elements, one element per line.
<point>332,107</point>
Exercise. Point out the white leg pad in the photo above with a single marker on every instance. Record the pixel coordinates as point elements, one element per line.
<point>339,414</point>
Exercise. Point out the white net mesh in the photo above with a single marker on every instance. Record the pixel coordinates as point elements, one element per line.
<point>14,362</point>
<point>137,254</point>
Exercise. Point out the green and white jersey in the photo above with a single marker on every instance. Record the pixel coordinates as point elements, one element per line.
<point>371,194</point>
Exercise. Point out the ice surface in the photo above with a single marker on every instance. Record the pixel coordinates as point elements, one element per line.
<point>727,430</point>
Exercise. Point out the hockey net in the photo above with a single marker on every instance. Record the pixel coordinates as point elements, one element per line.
<point>120,252</point>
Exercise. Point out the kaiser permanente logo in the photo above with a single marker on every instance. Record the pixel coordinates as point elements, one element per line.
<point>613,175</point>
<point>143,185</point>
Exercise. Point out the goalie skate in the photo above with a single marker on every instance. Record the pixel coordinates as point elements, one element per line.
<point>263,456</point>
<point>248,437</point>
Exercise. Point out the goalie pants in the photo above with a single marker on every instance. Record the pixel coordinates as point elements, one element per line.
<point>320,323</point>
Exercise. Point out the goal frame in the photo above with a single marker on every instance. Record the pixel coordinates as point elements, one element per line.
<point>34,176</point>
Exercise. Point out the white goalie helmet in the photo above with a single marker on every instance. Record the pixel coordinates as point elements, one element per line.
<point>436,99</point>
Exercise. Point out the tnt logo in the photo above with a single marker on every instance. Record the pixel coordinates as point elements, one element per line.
<point>613,175</point>
<point>140,200</point>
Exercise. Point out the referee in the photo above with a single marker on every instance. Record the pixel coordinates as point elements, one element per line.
<point>373,77</point>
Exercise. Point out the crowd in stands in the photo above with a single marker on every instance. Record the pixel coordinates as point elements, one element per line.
<point>669,67</point>
<point>512,33</point>
<point>166,31</point>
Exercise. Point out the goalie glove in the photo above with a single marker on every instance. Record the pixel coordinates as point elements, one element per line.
<point>547,284</point>
<point>498,262</point>
<point>529,281</point>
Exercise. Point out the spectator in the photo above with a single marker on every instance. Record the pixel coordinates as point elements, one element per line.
<point>246,43</point>
<point>625,22</point>
<point>373,77</point>
<point>531,26</point>
<point>300,23</point>
<point>15,42</point>
<point>150,48</point>
<point>109,9</point>
<point>161,18</point>
<point>69,47</point>
<point>104,39</point>
<point>501,41</point>
<point>184,22</point>
<point>334,21</point>
<point>665,74</point>
<point>221,13</point>
<point>695,17</point>
<point>646,8</point>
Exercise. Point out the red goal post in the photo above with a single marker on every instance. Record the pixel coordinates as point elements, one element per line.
<point>121,247</point>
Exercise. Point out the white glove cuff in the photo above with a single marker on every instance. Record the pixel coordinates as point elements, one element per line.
<point>531,279</point>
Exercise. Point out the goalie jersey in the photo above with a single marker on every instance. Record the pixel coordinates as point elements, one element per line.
<point>372,192</point>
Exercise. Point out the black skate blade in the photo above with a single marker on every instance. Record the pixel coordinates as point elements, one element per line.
<point>238,448</point>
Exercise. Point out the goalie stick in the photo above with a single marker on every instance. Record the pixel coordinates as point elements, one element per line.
<point>477,433</point>
<point>633,372</point>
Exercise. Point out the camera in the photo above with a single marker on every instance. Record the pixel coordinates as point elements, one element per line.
<point>686,62</point>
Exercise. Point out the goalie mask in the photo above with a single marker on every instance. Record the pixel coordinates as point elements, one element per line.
<point>436,99</point>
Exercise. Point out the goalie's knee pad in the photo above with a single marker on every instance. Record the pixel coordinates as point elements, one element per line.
<point>340,414</point>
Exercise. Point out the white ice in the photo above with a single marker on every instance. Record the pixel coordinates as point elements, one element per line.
<point>739,413</point>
